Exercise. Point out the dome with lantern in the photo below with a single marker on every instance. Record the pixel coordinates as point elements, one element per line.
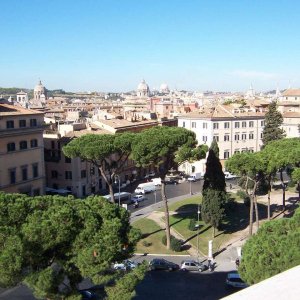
<point>143,89</point>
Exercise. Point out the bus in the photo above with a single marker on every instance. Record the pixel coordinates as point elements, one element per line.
<point>124,197</point>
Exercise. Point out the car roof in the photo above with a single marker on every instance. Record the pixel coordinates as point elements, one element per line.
<point>233,275</point>
<point>189,261</point>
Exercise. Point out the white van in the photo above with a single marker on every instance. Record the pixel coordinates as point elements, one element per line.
<point>156,181</point>
<point>144,188</point>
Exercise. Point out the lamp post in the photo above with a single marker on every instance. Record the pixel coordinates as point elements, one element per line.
<point>117,177</point>
<point>155,195</point>
<point>191,193</point>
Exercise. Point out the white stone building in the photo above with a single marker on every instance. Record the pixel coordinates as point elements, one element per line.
<point>235,129</point>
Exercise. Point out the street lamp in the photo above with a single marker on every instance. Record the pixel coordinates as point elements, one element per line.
<point>117,177</point>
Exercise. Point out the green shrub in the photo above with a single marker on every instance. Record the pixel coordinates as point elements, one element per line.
<point>146,243</point>
<point>291,184</point>
<point>175,244</point>
<point>192,224</point>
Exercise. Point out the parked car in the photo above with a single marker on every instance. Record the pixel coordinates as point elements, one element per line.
<point>137,198</point>
<point>191,265</point>
<point>171,181</point>
<point>125,265</point>
<point>229,175</point>
<point>234,280</point>
<point>162,264</point>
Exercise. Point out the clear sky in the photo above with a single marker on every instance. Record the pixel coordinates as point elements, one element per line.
<point>110,45</point>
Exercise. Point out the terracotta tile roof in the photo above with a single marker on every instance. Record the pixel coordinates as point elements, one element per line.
<point>11,110</point>
<point>291,93</point>
<point>291,114</point>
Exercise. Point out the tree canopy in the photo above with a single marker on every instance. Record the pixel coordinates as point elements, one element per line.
<point>165,148</point>
<point>273,121</point>
<point>108,152</point>
<point>46,239</point>
<point>274,249</point>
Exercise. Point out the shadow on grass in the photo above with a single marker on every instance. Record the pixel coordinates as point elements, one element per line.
<point>145,235</point>
<point>237,217</point>
<point>187,208</point>
<point>194,235</point>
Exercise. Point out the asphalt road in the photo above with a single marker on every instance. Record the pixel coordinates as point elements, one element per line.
<point>172,191</point>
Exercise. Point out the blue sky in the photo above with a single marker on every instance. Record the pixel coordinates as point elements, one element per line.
<point>110,45</point>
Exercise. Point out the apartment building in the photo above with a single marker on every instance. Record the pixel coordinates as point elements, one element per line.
<point>21,150</point>
<point>236,129</point>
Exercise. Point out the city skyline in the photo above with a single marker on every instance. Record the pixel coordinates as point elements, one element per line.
<point>193,45</point>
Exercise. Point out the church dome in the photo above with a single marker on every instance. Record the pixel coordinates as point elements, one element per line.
<point>143,86</point>
<point>164,88</point>
<point>39,87</point>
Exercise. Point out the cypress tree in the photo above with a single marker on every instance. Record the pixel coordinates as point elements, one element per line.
<point>273,121</point>
<point>214,177</point>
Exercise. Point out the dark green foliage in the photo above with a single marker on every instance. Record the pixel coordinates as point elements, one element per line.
<point>214,147</point>
<point>212,208</point>
<point>192,224</point>
<point>175,243</point>
<point>125,287</point>
<point>214,177</point>
<point>146,243</point>
<point>48,238</point>
<point>273,121</point>
<point>274,249</point>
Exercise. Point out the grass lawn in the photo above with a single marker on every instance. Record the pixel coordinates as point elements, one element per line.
<point>152,234</point>
<point>186,204</point>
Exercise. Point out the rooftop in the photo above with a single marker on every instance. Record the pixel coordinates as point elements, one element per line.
<point>291,92</point>
<point>11,110</point>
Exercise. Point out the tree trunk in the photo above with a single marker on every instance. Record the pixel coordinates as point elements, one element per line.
<point>283,190</point>
<point>214,232</point>
<point>256,211</point>
<point>269,197</point>
<point>251,215</point>
<point>109,183</point>
<point>166,207</point>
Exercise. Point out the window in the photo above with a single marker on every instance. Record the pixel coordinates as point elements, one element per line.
<point>23,145</point>
<point>193,124</point>
<point>251,136</point>
<point>10,124</point>
<point>54,174</point>
<point>183,124</point>
<point>24,173</point>
<point>216,126</point>
<point>11,147</point>
<point>22,123</point>
<point>236,124</point>
<point>261,135</point>
<point>35,170</point>
<point>244,124</point>
<point>244,150</point>
<point>262,123</point>
<point>226,125</point>
<point>12,176</point>
<point>236,151</point>
<point>83,173</point>
<point>226,154</point>
<point>68,175</point>
<point>236,137</point>
<point>92,170</point>
<point>33,143</point>
<point>68,160</point>
<point>216,138</point>
<point>33,123</point>
<point>251,124</point>
<point>226,137</point>
<point>244,136</point>
<point>204,138</point>
<point>204,125</point>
